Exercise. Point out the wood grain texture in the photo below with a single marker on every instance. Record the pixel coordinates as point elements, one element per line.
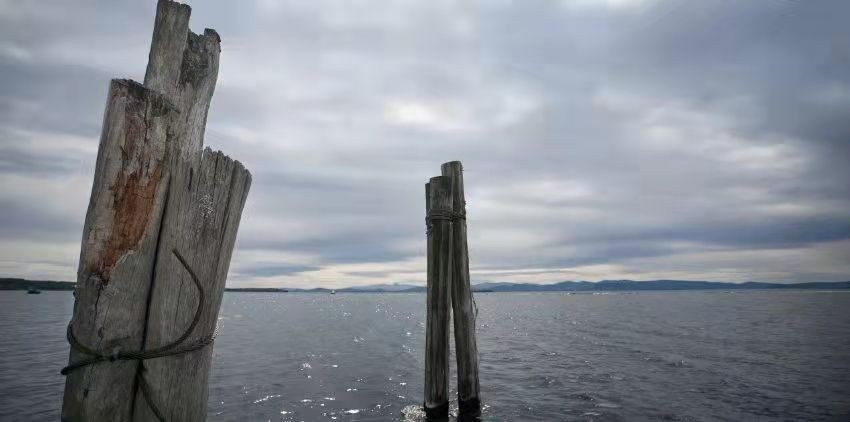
<point>118,249</point>
<point>170,30</point>
<point>184,66</point>
<point>205,205</point>
<point>198,75</point>
<point>438,302</point>
<point>155,191</point>
<point>208,192</point>
<point>463,306</point>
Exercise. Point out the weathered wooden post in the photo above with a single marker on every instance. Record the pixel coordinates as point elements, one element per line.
<point>463,305</point>
<point>449,288</point>
<point>120,239</point>
<point>165,59</point>
<point>183,66</point>
<point>438,203</point>
<point>157,242</point>
<point>208,191</point>
<point>204,207</point>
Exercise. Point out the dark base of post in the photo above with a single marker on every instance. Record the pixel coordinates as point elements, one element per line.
<point>440,412</point>
<point>469,409</point>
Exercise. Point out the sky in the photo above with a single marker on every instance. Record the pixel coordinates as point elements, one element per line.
<point>601,139</point>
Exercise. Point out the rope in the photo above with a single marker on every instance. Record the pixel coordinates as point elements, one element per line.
<point>170,349</point>
<point>441,214</point>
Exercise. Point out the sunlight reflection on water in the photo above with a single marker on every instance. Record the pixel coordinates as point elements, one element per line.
<point>358,357</point>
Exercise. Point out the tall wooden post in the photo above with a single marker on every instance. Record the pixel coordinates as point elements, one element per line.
<point>120,238</point>
<point>157,242</point>
<point>183,66</point>
<point>170,30</point>
<point>449,287</point>
<point>207,194</point>
<point>438,204</point>
<point>463,304</point>
<point>204,207</point>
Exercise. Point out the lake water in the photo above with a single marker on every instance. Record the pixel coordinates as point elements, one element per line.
<point>679,356</point>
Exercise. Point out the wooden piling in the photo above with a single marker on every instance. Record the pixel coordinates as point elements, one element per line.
<point>120,238</point>
<point>463,305</point>
<point>170,30</point>
<point>204,208</point>
<point>183,66</point>
<point>157,242</point>
<point>205,202</point>
<point>198,76</point>
<point>438,204</point>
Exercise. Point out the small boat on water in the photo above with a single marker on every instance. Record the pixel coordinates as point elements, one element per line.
<point>333,292</point>
<point>33,291</point>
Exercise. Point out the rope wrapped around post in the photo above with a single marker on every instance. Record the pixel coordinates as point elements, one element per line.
<point>444,215</point>
<point>169,349</point>
<point>448,279</point>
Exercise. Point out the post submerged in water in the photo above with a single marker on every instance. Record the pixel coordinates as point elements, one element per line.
<point>449,289</point>
<point>464,309</point>
<point>438,202</point>
<point>157,240</point>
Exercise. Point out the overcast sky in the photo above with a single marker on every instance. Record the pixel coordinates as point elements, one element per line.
<point>601,139</point>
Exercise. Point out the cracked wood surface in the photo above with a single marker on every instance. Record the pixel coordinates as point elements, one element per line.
<point>171,28</point>
<point>183,66</point>
<point>118,248</point>
<point>152,178</point>
<point>205,204</point>
<point>208,192</point>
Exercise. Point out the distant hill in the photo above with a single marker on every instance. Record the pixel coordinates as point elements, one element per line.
<point>630,285</point>
<point>381,288</point>
<point>564,286</point>
<point>22,284</point>
<point>588,286</point>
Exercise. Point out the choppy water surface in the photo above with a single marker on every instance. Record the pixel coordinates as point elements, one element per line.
<point>759,355</point>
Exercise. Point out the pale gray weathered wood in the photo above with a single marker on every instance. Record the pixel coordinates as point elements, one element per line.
<point>184,66</point>
<point>171,27</point>
<point>198,75</point>
<point>205,204</point>
<point>438,302</point>
<point>118,248</point>
<point>463,304</point>
<point>178,384</point>
<point>155,191</point>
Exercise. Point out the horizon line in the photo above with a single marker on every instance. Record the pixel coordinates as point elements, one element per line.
<point>489,282</point>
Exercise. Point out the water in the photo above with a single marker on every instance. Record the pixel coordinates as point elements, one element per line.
<point>687,356</point>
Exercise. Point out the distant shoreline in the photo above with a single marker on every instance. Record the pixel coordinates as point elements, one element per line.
<point>255,290</point>
<point>23,284</point>
<point>566,286</point>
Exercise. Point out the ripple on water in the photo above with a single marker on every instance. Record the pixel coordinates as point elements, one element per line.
<point>744,363</point>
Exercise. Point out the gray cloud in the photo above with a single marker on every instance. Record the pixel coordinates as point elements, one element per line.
<point>276,270</point>
<point>600,139</point>
<point>21,221</point>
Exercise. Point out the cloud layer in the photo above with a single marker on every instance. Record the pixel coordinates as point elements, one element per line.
<point>600,138</point>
